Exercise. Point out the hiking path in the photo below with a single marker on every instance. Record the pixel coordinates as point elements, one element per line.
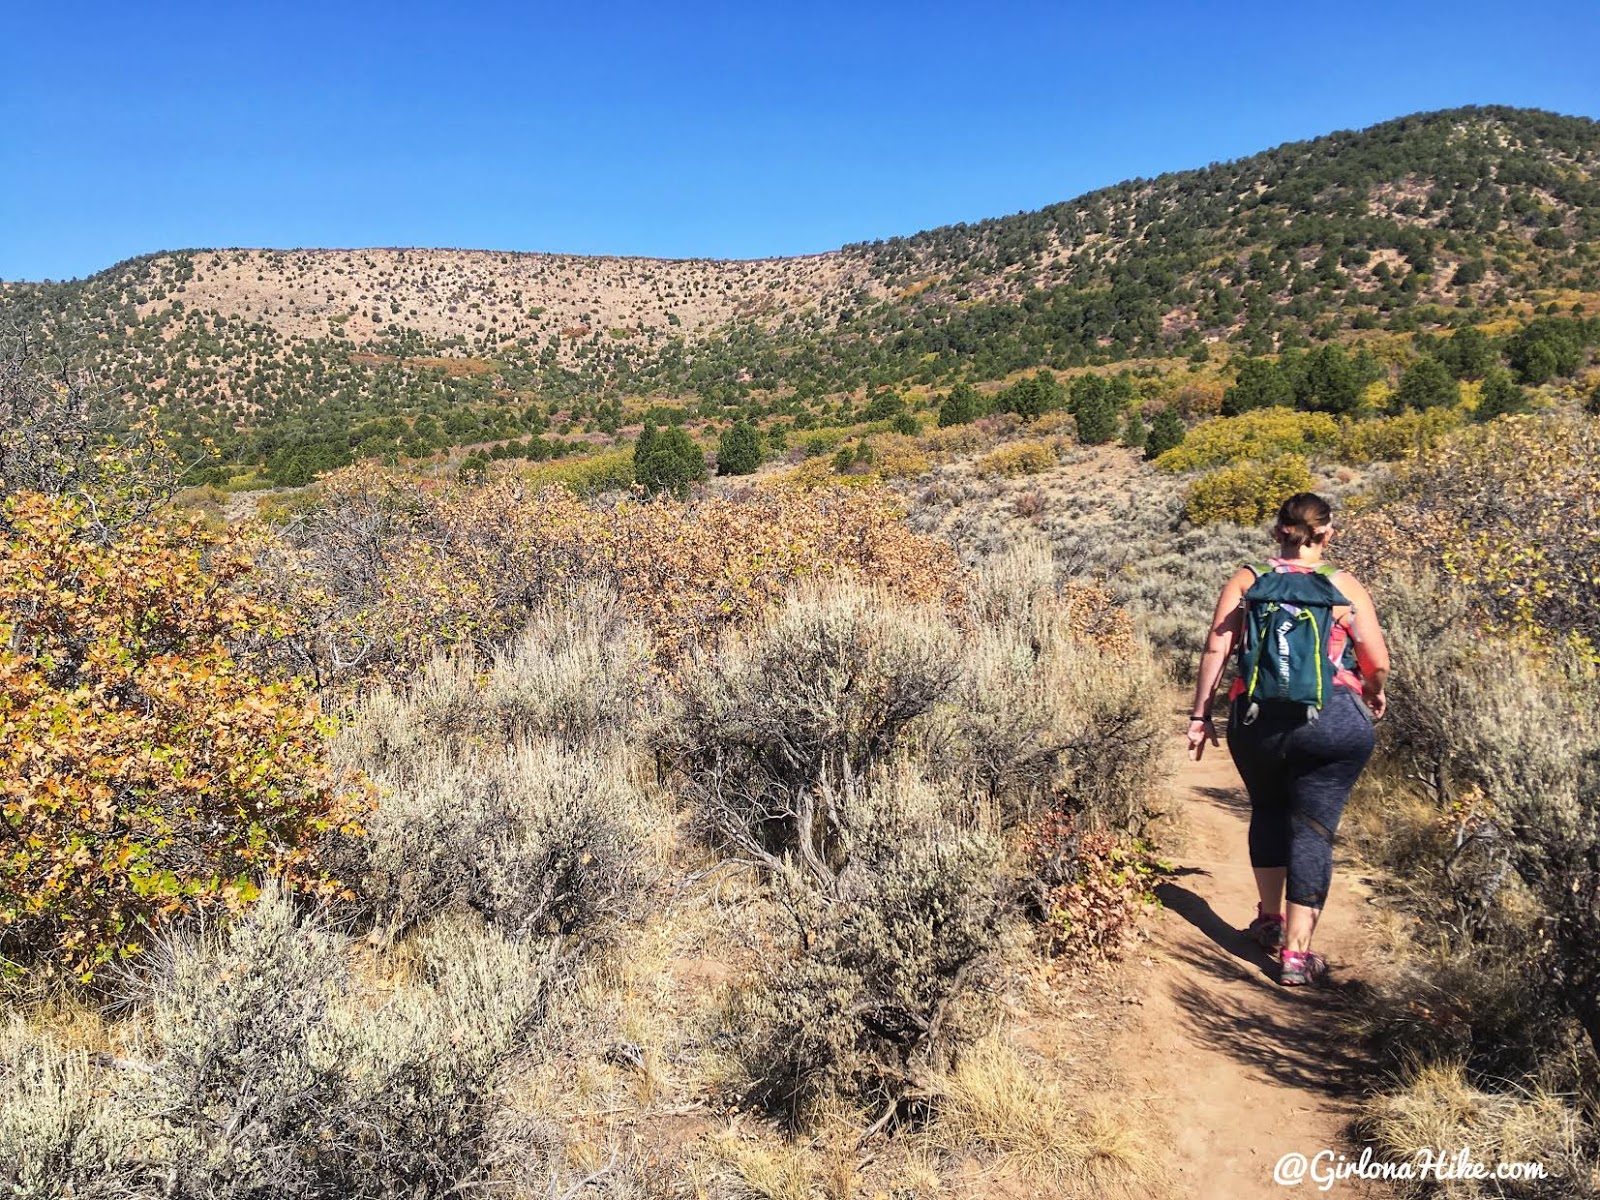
<point>1242,1070</point>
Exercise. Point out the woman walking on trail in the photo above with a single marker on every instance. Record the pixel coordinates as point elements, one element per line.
<point>1312,667</point>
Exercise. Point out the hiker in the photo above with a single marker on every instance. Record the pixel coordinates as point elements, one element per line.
<point>1312,665</point>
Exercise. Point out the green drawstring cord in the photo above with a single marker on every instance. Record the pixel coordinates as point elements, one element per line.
<point>1262,628</point>
<point>1314,711</point>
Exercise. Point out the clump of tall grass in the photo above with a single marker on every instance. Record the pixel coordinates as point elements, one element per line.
<point>996,1101</point>
<point>1436,1111</point>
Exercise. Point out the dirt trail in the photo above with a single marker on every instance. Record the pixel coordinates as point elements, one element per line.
<point>1241,1069</point>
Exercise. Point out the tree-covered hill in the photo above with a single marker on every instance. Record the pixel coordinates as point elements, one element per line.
<point>1413,222</point>
<point>289,361</point>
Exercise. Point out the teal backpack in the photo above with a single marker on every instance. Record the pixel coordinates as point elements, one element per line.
<point>1284,657</point>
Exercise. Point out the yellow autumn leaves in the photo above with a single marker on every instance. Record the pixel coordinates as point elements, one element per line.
<point>143,771</point>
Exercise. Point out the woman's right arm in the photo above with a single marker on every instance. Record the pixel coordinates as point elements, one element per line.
<point>1225,626</point>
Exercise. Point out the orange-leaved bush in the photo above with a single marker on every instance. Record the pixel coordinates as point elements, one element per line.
<point>390,572</point>
<point>144,772</point>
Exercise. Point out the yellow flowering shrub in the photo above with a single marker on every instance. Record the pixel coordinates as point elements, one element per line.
<point>1393,438</point>
<point>809,475</point>
<point>1376,395</point>
<point>898,456</point>
<point>1246,494</point>
<point>958,439</point>
<point>1269,432</point>
<point>1264,433</point>
<point>1028,457</point>
<point>586,476</point>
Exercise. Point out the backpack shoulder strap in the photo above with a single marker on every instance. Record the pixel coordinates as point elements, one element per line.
<point>1328,570</point>
<point>1260,568</point>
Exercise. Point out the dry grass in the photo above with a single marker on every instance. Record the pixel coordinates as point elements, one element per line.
<point>1030,457</point>
<point>751,1162</point>
<point>623,1037</point>
<point>760,1170</point>
<point>1436,1108</point>
<point>997,1101</point>
<point>918,1176</point>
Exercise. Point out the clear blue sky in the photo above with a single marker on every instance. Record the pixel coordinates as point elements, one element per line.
<point>695,129</point>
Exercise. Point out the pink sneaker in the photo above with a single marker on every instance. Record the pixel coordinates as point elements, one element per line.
<point>1301,967</point>
<point>1266,930</point>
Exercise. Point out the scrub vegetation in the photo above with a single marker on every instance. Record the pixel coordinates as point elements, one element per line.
<point>668,722</point>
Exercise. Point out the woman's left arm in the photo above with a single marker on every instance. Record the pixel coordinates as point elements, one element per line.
<point>1372,653</point>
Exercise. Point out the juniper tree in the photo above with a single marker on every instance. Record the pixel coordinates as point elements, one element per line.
<point>1166,431</point>
<point>1134,431</point>
<point>739,450</point>
<point>671,464</point>
<point>1427,384</point>
<point>1094,410</point>
<point>1500,395</point>
<point>961,406</point>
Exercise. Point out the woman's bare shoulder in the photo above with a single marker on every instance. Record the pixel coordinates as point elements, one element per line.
<point>1242,577</point>
<point>1238,583</point>
<point>1355,591</point>
<point>1346,578</point>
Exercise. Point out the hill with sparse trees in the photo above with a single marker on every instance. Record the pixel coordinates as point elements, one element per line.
<point>288,362</point>
<point>623,730</point>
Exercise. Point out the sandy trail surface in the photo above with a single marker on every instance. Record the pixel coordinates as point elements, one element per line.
<point>1242,1070</point>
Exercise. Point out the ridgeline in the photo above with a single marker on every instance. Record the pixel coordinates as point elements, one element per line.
<point>293,361</point>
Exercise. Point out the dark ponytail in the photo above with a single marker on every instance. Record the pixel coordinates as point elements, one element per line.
<point>1299,518</point>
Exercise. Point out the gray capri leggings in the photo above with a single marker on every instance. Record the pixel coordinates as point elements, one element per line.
<point>1299,774</point>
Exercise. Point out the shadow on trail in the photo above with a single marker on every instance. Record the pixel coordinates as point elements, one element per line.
<point>1233,1001</point>
<point>1197,910</point>
<point>1232,798</point>
<point>1300,1039</point>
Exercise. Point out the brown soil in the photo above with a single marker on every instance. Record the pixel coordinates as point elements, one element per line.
<point>1241,1069</point>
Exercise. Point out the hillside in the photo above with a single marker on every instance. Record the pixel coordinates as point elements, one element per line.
<point>818,827</point>
<point>312,357</point>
